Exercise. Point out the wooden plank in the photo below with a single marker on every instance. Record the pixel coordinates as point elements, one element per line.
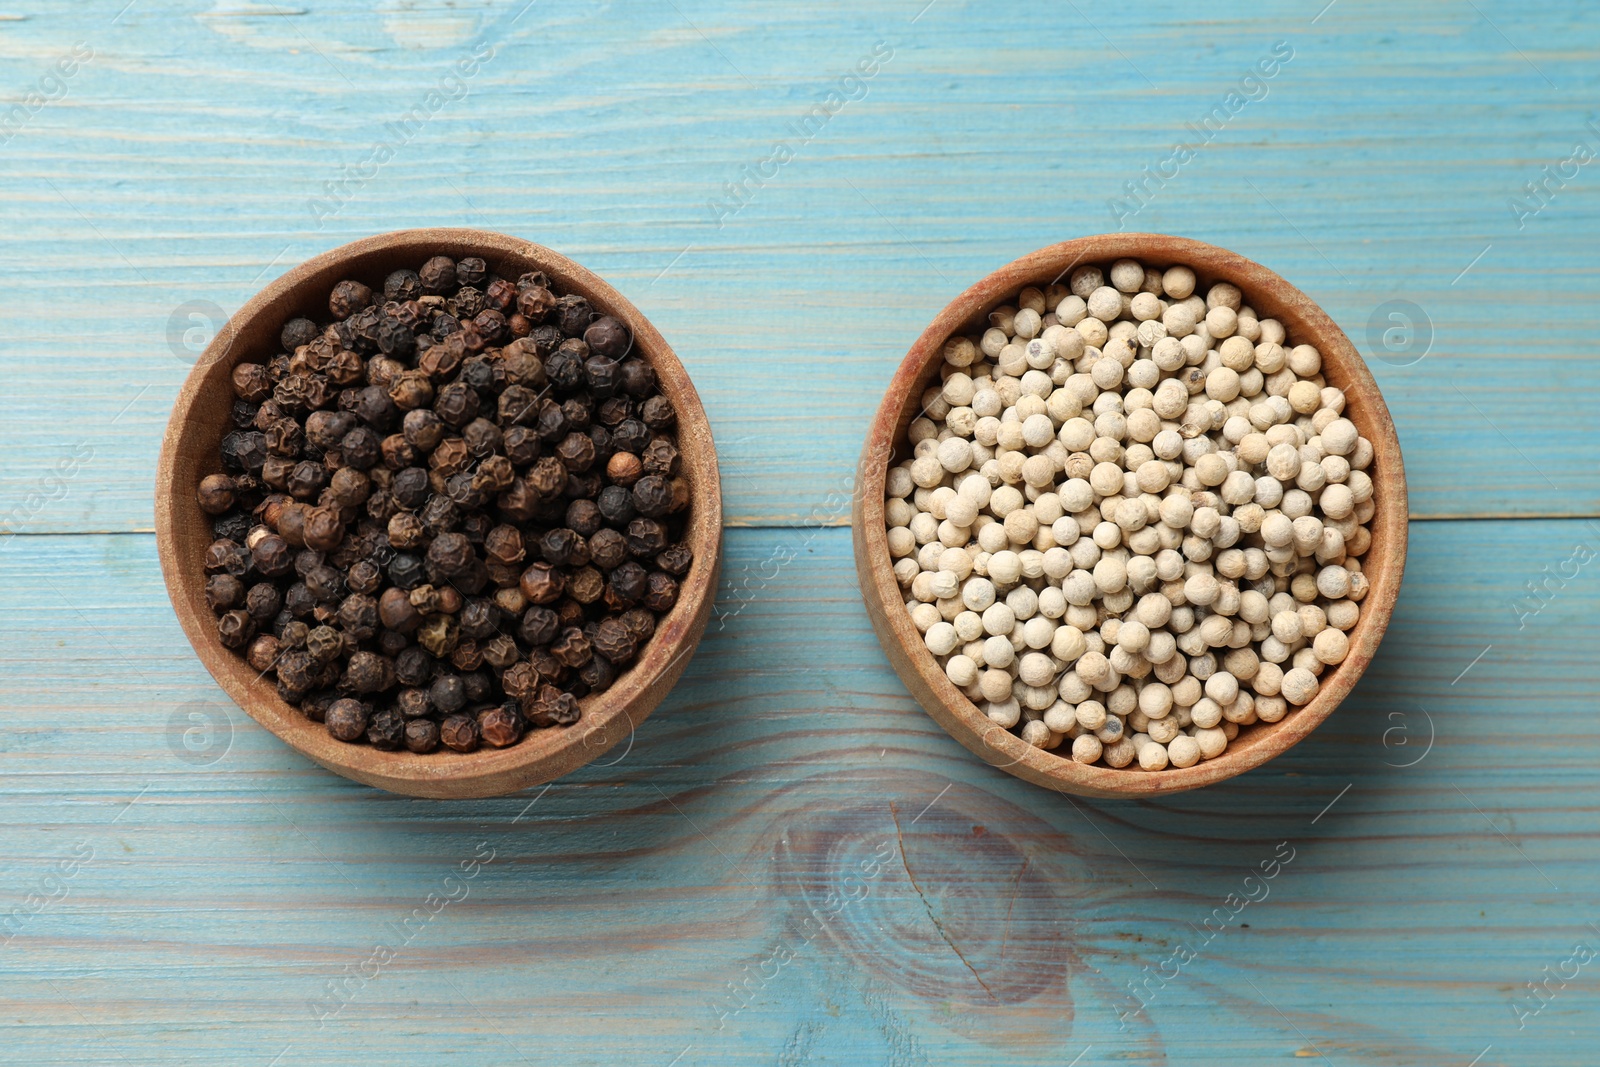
<point>223,882</point>
<point>181,163</point>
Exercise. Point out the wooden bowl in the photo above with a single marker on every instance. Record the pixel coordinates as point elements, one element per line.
<point>1271,296</point>
<point>190,451</point>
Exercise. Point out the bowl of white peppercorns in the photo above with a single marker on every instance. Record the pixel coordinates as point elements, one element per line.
<point>1131,518</point>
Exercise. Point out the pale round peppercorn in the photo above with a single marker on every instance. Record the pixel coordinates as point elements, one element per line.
<point>1153,757</point>
<point>1162,731</point>
<point>1184,751</point>
<point>1299,686</point>
<point>1331,646</point>
<point>1086,748</point>
<point>1211,742</point>
<point>961,670</point>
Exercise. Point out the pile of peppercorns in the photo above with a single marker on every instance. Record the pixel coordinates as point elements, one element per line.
<point>449,514</point>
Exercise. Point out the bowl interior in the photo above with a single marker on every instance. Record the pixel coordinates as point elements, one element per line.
<point>1270,296</point>
<point>200,418</point>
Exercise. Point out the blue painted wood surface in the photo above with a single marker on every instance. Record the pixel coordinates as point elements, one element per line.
<point>791,863</point>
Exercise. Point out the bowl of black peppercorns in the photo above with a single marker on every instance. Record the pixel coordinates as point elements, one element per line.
<point>440,509</point>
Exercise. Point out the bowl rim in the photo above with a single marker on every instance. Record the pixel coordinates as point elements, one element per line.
<point>1269,294</point>
<point>609,717</point>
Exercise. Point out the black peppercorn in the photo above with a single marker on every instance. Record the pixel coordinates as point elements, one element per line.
<point>615,641</point>
<point>615,504</point>
<point>451,553</point>
<point>224,592</point>
<point>573,314</point>
<point>479,683</point>
<point>542,583</point>
<point>236,628</point>
<point>660,457</point>
<point>448,693</point>
<point>582,486</point>
<point>369,672</point>
<point>483,437</point>
<point>438,276</point>
<point>551,707</point>
<point>424,429</point>
<point>411,487</point>
<point>231,527</point>
<point>630,435</point>
<point>324,529</point>
<point>472,270</point>
<point>676,560</point>
<point>422,735</point>
<point>539,626</point>
<point>598,674</point>
<point>577,452</point>
<point>216,494</point>
<point>646,538</point>
<point>652,496</point>
<point>395,338</point>
<point>565,369</point>
<point>457,404</point>
<point>325,583</point>
<point>387,525</point>
<point>272,556</point>
<point>608,549</point>
<point>535,302</point>
<point>501,726</point>
<point>413,667</point>
<point>640,621</point>
<point>298,600</point>
<point>491,326</point>
<point>226,556</point>
<point>459,733</point>
<point>584,517</point>
<point>411,391</point>
<point>522,445</point>
<point>348,297</point>
<point>263,653</point>
<point>607,337</point>
<point>244,450</point>
<point>564,548</point>
<point>479,619</point>
<point>439,515</point>
<point>297,332</point>
<point>657,413</point>
<point>387,731</point>
<point>346,719</point>
<point>263,602</point>
<point>325,429</point>
<point>402,285</point>
<point>450,457</point>
<point>500,295</point>
<point>637,378</point>
<point>603,375</point>
<point>661,592</point>
<point>628,583</point>
<point>358,616</point>
<point>362,448</point>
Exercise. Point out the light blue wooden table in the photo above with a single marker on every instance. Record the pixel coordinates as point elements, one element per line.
<point>186,890</point>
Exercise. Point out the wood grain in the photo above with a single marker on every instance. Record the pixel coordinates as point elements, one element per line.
<point>228,885</point>
<point>231,881</point>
